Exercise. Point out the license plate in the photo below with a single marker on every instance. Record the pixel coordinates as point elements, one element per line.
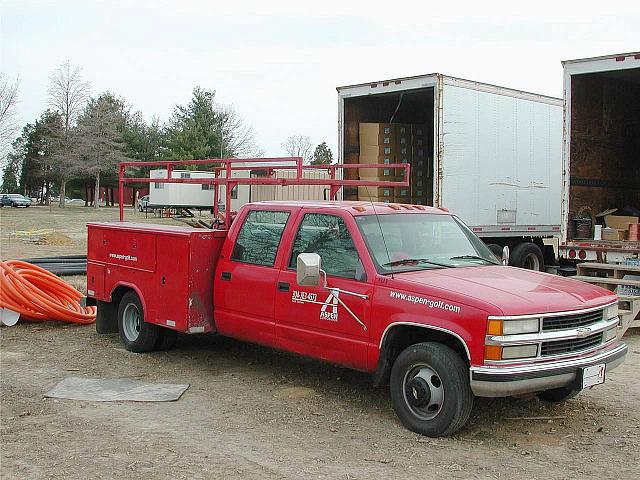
<point>593,375</point>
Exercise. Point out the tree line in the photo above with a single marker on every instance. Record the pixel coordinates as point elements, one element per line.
<point>79,139</point>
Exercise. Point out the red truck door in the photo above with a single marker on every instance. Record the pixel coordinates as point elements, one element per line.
<point>246,276</point>
<point>310,320</point>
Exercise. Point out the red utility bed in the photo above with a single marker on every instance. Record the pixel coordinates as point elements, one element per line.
<point>175,264</point>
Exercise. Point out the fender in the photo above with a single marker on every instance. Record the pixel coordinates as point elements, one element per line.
<point>132,287</point>
<point>385,363</point>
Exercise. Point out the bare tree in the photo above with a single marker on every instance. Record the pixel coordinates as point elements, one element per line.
<point>100,143</point>
<point>237,139</point>
<point>299,146</point>
<point>8,114</point>
<point>68,94</point>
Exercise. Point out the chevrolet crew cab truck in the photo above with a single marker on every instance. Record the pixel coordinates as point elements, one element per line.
<point>407,293</point>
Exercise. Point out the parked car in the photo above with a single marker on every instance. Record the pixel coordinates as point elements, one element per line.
<point>14,200</point>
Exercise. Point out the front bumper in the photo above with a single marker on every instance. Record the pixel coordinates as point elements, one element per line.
<point>498,381</point>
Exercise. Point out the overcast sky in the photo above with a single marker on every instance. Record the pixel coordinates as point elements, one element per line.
<point>278,63</point>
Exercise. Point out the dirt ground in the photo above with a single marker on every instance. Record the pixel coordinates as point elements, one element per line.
<point>251,412</point>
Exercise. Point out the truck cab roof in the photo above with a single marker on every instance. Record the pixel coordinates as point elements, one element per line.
<point>357,208</point>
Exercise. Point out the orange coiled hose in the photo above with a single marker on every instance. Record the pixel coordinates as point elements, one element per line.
<point>37,294</point>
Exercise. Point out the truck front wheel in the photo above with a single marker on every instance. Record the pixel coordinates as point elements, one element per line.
<point>136,334</point>
<point>430,389</point>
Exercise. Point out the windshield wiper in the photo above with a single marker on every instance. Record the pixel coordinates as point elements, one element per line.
<point>473,257</point>
<point>406,261</point>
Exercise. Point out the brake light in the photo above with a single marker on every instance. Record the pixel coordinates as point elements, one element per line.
<point>582,254</point>
<point>572,254</point>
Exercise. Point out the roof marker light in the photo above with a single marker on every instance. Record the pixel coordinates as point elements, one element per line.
<point>394,207</point>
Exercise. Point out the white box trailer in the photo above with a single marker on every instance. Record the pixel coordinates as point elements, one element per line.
<point>601,152</point>
<point>496,153</point>
<point>194,196</point>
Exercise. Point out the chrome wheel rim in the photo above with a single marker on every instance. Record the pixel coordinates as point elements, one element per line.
<point>131,322</point>
<point>423,392</point>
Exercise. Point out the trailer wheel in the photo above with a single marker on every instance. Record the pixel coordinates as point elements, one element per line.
<point>136,334</point>
<point>558,395</point>
<point>430,389</point>
<point>527,255</point>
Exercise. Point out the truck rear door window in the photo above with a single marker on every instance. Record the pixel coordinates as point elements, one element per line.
<point>329,237</point>
<point>259,237</point>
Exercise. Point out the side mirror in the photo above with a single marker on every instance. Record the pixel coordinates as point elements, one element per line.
<point>505,255</point>
<point>308,269</point>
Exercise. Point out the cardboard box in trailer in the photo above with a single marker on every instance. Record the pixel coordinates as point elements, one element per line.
<point>491,155</point>
<point>601,159</point>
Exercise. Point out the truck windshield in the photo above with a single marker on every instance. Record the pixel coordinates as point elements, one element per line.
<point>407,242</point>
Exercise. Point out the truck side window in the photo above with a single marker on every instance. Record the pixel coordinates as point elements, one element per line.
<point>259,237</point>
<point>329,237</point>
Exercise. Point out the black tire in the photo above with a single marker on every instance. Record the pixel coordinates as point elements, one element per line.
<point>558,395</point>
<point>167,339</point>
<point>137,336</point>
<point>495,249</point>
<point>527,255</point>
<point>448,380</point>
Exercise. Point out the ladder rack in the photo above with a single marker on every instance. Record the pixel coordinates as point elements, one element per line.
<point>223,169</point>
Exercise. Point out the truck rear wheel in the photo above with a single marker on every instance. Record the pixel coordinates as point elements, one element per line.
<point>136,334</point>
<point>527,255</point>
<point>430,389</point>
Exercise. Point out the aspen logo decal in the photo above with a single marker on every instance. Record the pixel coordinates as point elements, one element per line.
<point>328,308</point>
<point>439,304</point>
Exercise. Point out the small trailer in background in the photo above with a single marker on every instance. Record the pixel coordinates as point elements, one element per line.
<point>494,155</point>
<point>189,196</point>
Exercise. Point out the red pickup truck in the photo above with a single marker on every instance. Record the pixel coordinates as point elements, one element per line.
<point>405,292</point>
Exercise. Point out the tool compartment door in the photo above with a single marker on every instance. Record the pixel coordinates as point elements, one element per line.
<point>168,289</point>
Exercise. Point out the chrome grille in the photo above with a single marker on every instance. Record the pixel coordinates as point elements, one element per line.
<point>571,321</point>
<point>561,347</point>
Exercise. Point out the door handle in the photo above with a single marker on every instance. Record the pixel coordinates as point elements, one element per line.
<point>226,276</point>
<point>283,286</point>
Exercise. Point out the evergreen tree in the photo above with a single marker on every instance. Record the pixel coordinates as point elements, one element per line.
<point>322,155</point>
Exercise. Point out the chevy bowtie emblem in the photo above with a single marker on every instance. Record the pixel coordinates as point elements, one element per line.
<point>583,332</point>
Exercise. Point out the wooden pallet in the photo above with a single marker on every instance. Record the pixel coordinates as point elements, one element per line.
<point>610,277</point>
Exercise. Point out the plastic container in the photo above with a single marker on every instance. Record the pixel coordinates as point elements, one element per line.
<point>597,232</point>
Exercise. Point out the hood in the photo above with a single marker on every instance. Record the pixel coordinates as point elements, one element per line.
<point>513,291</point>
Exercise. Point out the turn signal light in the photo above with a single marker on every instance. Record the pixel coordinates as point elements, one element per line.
<point>494,327</point>
<point>493,352</point>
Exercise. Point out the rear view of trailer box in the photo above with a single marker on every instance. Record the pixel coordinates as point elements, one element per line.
<point>494,154</point>
<point>601,159</point>
<point>169,268</point>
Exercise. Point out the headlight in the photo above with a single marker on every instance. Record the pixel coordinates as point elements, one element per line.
<point>519,351</point>
<point>611,312</point>
<point>511,352</point>
<point>513,327</point>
